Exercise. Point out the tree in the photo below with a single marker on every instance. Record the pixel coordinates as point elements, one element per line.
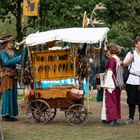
<point>52,14</point>
<point>61,13</point>
<point>123,18</point>
<point>12,7</point>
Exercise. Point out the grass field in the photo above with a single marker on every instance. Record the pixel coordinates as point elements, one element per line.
<point>59,129</point>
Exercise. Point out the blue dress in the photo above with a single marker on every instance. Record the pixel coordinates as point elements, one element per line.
<point>9,96</point>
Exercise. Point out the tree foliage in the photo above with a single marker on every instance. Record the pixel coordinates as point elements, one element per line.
<point>9,8</point>
<point>121,16</point>
<point>61,13</point>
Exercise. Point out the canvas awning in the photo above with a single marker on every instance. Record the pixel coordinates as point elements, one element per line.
<point>72,35</point>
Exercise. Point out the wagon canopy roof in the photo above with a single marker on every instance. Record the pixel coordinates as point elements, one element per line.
<point>72,35</point>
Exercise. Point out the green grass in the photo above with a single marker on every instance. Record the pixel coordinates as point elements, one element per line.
<point>59,129</point>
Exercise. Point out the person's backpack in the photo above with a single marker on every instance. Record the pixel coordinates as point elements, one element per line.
<point>119,76</point>
<point>127,70</point>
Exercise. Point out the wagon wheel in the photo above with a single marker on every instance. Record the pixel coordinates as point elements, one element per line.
<point>53,113</point>
<point>76,114</point>
<point>39,110</point>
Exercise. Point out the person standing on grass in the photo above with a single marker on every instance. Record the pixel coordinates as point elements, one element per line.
<point>132,60</point>
<point>111,111</point>
<point>104,60</point>
<point>9,108</point>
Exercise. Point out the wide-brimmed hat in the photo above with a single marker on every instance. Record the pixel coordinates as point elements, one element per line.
<point>5,39</point>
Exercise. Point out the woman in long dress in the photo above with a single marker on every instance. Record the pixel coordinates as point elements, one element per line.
<point>9,108</point>
<point>111,111</point>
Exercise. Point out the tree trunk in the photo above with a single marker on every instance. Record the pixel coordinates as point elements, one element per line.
<point>19,32</point>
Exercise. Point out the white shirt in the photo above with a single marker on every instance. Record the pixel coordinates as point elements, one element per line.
<point>135,69</point>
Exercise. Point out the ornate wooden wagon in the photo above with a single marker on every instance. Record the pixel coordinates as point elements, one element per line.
<point>58,55</point>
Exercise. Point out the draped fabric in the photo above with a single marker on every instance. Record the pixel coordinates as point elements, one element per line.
<point>24,56</point>
<point>8,79</point>
<point>6,83</point>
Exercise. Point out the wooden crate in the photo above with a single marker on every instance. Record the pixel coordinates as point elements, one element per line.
<point>51,93</point>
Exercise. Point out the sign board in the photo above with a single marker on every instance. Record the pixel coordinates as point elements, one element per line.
<point>52,65</point>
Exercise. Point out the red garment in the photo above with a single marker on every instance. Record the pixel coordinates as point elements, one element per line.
<point>112,100</point>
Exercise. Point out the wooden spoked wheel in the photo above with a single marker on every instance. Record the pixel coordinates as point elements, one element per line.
<point>76,114</point>
<point>53,114</point>
<point>39,110</point>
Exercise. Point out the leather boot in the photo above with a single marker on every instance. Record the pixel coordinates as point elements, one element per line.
<point>5,118</point>
<point>8,118</point>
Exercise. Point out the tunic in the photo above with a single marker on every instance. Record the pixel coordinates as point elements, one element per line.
<point>111,99</point>
<point>9,84</point>
<point>134,76</point>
